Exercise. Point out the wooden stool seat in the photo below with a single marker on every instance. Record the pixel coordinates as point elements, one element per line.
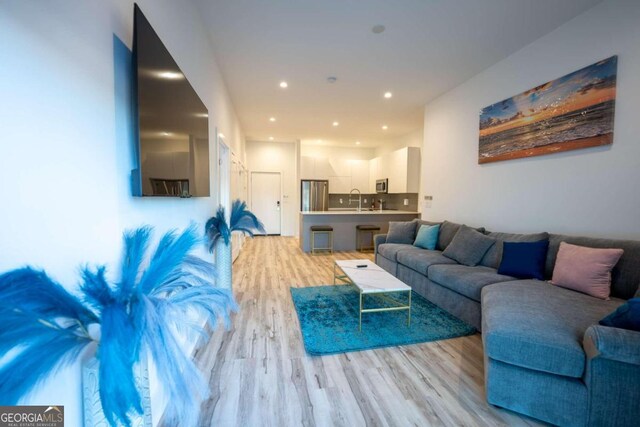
<point>321,228</point>
<point>368,227</point>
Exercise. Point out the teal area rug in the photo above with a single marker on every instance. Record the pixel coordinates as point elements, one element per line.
<point>329,321</point>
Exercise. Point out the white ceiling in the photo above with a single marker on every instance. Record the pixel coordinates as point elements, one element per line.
<point>428,48</point>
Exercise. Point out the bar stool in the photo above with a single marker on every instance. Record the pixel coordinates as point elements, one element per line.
<point>321,229</point>
<point>363,229</point>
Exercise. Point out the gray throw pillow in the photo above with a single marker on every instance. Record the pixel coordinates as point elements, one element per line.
<point>420,222</point>
<point>468,246</point>
<point>447,231</point>
<point>401,232</point>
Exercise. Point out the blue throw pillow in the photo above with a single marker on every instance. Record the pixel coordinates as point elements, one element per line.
<point>627,316</point>
<point>524,260</point>
<point>427,237</point>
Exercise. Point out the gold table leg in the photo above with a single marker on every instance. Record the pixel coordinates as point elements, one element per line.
<point>409,316</point>
<point>360,316</point>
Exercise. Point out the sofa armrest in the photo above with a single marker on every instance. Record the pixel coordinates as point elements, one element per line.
<point>378,239</point>
<point>612,376</point>
<point>621,345</point>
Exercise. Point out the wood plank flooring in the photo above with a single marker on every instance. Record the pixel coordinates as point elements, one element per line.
<point>260,375</point>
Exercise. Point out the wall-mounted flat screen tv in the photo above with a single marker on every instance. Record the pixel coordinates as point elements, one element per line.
<point>173,124</point>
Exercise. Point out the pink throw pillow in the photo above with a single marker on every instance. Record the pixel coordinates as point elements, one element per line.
<point>586,270</point>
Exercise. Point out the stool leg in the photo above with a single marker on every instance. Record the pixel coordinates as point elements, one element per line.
<point>331,236</point>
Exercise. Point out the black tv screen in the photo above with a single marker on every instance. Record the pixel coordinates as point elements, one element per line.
<point>173,124</point>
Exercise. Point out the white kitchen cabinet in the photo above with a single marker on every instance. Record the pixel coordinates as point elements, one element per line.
<point>373,174</point>
<point>323,169</point>
<point>403,169</point>
<point>315,168</point>
<point>400,167</point>
<point>339,184</point>
<point>340,167</point>
<point>360,175</point>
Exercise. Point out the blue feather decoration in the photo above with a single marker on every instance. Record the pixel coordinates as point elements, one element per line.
<point>244,220</point>
<point>118,352</point>
<point>241,219</point>
<point>45,327</point>
<point>216,228</point>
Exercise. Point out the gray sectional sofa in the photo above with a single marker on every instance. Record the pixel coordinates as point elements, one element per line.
<point>545,354</point>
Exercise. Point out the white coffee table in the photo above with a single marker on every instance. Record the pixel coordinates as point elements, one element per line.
<point>371,279</point>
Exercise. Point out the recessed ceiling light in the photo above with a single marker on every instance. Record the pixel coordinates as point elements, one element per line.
<point>385,127</point>
<point>284,84</point>
<point>388,95</point>
<point>357,142</point>
<point>270,138</point>
<point>332,79</point>
<point>170,75</point>
<point>272,119</point>
<point>377,29</point>
<point>336,123</point>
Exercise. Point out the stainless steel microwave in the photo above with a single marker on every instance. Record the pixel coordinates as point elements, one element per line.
<point>382,186</point>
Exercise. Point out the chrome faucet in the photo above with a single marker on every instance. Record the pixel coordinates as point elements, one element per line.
<point>359,199</point>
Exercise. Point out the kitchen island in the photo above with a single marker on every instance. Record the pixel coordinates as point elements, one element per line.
<point>344,224</point>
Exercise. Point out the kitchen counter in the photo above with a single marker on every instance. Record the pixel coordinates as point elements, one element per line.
<point>344,224</point>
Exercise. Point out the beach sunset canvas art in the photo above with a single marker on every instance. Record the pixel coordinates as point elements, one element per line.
<point>572,112</point>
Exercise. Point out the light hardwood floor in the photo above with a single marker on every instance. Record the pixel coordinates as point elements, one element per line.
<point>260,375</point>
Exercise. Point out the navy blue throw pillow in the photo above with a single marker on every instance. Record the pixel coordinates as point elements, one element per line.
<point>524,260</point>
<point>627,316</point>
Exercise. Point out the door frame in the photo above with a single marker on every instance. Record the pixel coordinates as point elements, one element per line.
<point>224,180</point>
<point>250,195</point>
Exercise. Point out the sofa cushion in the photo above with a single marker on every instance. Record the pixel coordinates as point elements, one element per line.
<point>420,222</point>
<point>447,231</point>
<point>420,261</point>
<point>468,246</point>
<point>536,325</point>
<point>627,316</point>
<point>625,276</point>
<point>427,237</point>
<point>586,270</point>
<point>401,232</point>
<point>466,280</point>
<point>524,260</point>
<point>390,250</point>
<point>494,255</point>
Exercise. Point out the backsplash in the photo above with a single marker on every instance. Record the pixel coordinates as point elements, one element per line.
<point>391,201</point>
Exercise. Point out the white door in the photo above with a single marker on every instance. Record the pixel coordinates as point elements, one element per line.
<point>265,199</point>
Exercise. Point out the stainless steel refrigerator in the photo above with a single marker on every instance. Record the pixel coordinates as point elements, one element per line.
<point>314,195</point>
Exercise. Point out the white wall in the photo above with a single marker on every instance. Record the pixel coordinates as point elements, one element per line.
<point>66,147</point>
<point>279,157</point>
<point>589,192</point>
